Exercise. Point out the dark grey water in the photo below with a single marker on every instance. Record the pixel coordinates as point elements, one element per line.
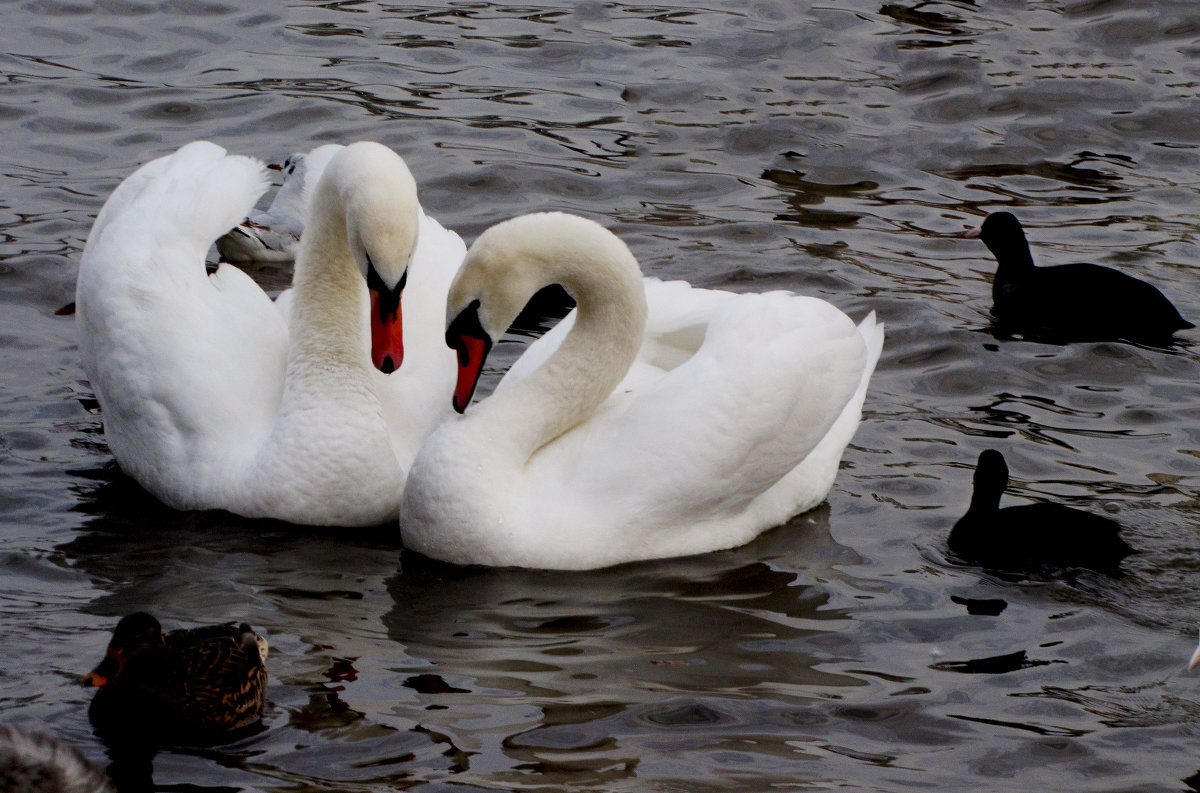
<point>834,149</point>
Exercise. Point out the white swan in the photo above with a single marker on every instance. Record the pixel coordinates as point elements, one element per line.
<point>273,235</point>
<point>725,416</point>
<point>211,397</point>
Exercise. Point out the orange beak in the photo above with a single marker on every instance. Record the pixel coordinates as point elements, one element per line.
<point>387,335</point>
<point>472,352</point>
<point>466,336</point>
<point>106,671</point>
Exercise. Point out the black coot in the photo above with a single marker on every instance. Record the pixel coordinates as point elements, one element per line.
<point>1031,536</point>
<point>1070,302</point>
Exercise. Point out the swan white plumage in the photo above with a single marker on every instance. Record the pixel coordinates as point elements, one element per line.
<point>273,234</point>
<point>722,417</point>
<point>212,396</point>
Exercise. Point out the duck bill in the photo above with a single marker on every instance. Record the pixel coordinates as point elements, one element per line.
<point>973,233</point>
<point>387,332</point>
<point>105,672</point>
<point>1195,660</point>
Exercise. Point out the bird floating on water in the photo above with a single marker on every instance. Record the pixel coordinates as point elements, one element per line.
<point>656,420</point>
<point>273,234</point>
<point>1070,302</point>
<point>216,397</point>
<point>1031,536</point>
<point>184,685</point>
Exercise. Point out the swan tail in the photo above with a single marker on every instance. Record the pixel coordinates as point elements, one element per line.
<point>871,329</point>
<point>806,485</point>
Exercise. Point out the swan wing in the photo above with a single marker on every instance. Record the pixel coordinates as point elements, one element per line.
<point>188,367</point>
<point>698,435</point>
<point>809,482</point>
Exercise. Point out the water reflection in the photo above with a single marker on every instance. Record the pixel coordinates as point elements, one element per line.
<point>319,596</point>
<point>405,657</point>
<point>925,17</point>
<point>576,670</point>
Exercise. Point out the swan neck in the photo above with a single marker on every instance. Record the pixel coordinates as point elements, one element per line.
<point>329,308</point>
<point>566,390</point>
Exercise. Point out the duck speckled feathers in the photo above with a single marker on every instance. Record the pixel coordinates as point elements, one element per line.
<point>188,684</point>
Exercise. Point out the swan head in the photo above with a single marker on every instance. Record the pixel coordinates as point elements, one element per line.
<point>511,261</point>
<point>378,197</point>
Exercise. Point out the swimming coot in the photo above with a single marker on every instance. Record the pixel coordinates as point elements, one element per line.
<point>1070,302</point>
<point>1031,536</point>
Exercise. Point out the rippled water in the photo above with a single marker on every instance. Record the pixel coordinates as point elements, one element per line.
<point>836,150</point>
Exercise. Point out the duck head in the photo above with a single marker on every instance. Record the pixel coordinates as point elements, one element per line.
<point>133,635</point>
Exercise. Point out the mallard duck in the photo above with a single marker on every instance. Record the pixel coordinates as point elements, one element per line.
<point>1070,302</point>
<point>1031,536</point>
<point>32,762</point>
<point>189,683</point>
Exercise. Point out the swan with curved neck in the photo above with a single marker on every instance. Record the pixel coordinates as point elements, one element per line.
<point>214,398</point>
<point>601,453</point>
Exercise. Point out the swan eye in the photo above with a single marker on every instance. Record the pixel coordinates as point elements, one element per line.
<point>466,336</point>
<point>388,299</point>
<point>466,326</point>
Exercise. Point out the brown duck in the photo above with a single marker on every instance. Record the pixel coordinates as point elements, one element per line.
<point>188,684</point>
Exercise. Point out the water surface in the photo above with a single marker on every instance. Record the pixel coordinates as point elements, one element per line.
<point>836,150</point>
